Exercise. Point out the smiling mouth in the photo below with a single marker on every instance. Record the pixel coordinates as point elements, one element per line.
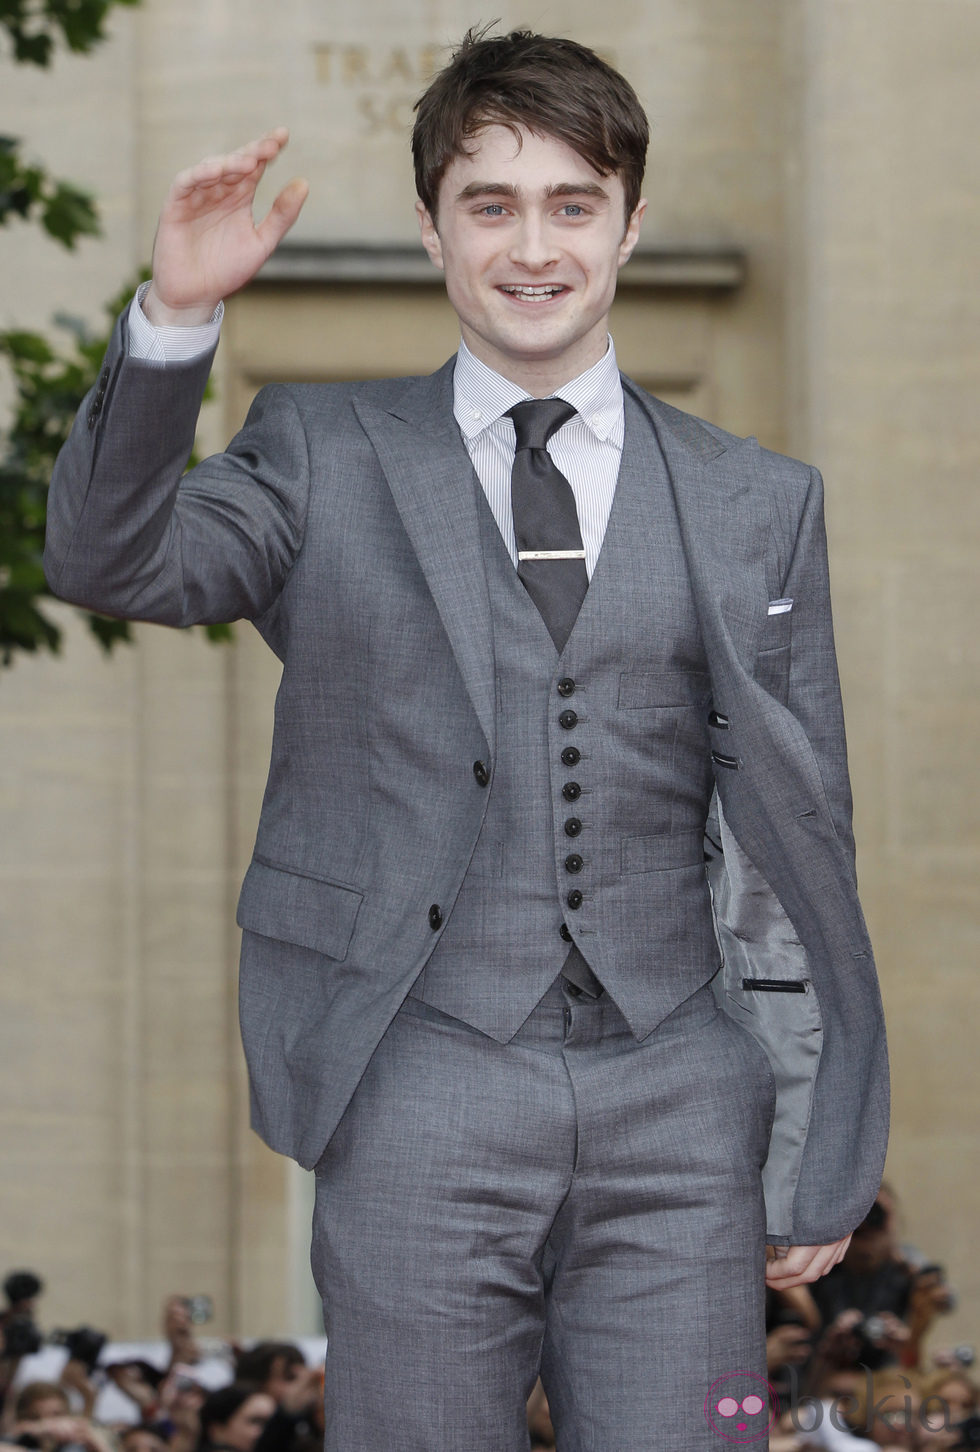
<point>544,293</point>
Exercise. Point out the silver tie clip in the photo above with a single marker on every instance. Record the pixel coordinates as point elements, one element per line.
<point>551,554</point>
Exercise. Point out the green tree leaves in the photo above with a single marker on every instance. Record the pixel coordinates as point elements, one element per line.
<point>50,382</point>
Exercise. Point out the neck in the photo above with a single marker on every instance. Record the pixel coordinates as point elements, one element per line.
<point>540,377</point>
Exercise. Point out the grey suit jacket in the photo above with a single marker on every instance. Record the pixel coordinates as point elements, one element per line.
<point>335,522</point>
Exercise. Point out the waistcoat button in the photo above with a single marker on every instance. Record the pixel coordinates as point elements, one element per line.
<point>565,932</point>
<point>572,827</point>
<point>575,899</point>
<point>573,862</point>
<point>481,773</point>
<point>571,791</point>
<point>435,917</point>
<point>566,686</point>
<point>571,756</point>
<point>568,719</point>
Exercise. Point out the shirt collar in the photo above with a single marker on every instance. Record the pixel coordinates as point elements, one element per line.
<point>482,396</point>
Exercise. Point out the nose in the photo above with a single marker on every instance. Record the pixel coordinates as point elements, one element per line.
<point>532,246</point>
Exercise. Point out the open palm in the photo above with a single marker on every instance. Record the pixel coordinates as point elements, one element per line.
<point>208,244</point>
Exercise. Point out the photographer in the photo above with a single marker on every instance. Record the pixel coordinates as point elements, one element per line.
<point>876,1306</point>
<point>19,1336</point>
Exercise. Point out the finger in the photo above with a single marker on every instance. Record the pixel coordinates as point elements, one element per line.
<point>803,1265</point>
<point>248,160</point>
<point>791,1268</point>
<point>215,171</point>
<point>283,213</point>
<point>269,144</point>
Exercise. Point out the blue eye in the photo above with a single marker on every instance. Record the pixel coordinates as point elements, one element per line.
<point>572,209</point>
<point>493,209</point>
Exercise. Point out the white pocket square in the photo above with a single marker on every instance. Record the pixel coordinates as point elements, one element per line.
<point>780,607</point>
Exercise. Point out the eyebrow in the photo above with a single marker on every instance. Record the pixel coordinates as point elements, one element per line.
<point>504,189</point>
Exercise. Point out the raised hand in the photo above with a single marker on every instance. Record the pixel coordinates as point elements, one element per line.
<point>208,244</point>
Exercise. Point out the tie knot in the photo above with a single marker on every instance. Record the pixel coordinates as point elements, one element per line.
<point>537,419</point>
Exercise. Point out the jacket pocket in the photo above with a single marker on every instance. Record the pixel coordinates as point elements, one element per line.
<point>279,903</point>
<point>772,662</point>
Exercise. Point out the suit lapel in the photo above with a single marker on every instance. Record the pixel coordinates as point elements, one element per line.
<point>431,479</point>
<point>724,523</point>
<point>722,514</point>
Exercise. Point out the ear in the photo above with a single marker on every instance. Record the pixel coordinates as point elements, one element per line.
<point>632,233</point>
<point>430,237</point>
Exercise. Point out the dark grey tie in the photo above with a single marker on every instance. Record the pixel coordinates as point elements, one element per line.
<point>551,560</point>
<point>550,557</point>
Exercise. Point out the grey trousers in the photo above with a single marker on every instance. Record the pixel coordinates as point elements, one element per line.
<point>574,1201</point>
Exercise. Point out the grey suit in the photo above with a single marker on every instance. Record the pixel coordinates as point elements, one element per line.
<point>337,522</point>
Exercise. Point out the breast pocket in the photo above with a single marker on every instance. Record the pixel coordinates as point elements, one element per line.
<point>772,661</point>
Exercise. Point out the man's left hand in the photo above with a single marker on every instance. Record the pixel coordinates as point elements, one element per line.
<point>798,1265</point>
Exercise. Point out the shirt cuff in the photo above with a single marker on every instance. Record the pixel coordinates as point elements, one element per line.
<point>169,344</point>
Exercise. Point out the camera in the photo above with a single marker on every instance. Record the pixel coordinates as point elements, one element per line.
<point>84,1344</point>
<point>20,1337</point>
<point>199,1308</point>
<point>968,1434</point>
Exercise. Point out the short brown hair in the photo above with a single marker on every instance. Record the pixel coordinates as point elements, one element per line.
<point>550,86</point>
<point>30,1396</point>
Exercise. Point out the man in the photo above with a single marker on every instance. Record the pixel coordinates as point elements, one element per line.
<point>479,934</point>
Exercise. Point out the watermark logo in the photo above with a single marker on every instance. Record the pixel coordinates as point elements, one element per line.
<point>741,1407</point>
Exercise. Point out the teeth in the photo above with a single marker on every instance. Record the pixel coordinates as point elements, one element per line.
<point>545,291</point>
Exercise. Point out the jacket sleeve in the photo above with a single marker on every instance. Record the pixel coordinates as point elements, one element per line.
<point>130,534</point>
<point>846,1130</point>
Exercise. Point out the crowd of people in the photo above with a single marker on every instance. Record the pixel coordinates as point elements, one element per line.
<point>847,1356</point>
<point>848,1372</point>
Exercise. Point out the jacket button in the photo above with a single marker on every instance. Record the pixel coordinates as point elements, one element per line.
<point>565,932</point>
<point>571,756</point>
<point>573,862</point>
<point>568,719</point>
<point>435,917</point>
<point>572,827</point>
<point>566,686</point>
<point>571,791</point>
<point>481,773</point>
<point>575,899</point>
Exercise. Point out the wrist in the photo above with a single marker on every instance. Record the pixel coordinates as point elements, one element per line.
<point>161,315</point>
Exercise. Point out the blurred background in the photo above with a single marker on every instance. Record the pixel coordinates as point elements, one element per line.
<point>808,273</point>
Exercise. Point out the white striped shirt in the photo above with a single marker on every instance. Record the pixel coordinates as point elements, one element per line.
<point>587,449</point>
<point>169,344</point>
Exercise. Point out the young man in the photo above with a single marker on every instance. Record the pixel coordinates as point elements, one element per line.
<point>529,618</point>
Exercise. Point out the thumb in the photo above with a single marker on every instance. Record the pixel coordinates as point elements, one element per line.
<point>283,213</point>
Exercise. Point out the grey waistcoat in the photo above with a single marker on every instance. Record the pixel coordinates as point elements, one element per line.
<point>623,825</point>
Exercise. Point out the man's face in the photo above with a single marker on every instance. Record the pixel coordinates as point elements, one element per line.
<point>531,239</point>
